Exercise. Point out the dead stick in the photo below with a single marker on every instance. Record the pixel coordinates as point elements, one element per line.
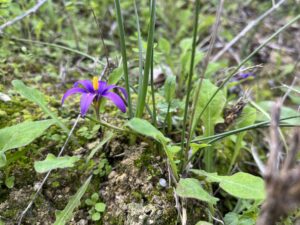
<point>27,13</point>
<point>246,29</point>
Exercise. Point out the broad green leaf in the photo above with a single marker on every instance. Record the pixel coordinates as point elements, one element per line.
<point>191,188</point>
<point>100,207</point>
<point>52,162</point>
<point>170,88</point>
<point>145,128</point>
<point>213,113</point>
<point>164,45</point>
<point>22,134</point>
<point>196,147</point>
<point>66,215</point>
<point>285,112</point>
<point>203,223</point>
<point>38,98</point>
<point>115,75</point>
<point>241,185</point>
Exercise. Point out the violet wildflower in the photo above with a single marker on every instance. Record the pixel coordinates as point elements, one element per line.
<point>93,91</point>
<point>243,76</point>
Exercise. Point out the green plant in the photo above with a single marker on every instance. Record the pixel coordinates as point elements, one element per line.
<point>96,207</point>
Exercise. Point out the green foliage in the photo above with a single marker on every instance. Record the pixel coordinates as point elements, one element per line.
<point>285,112</point>
<point>170,88</point>
<point>38,98</point>
<point>103,168</point>
<point>191,188</point>
<point>97,207</point>
<point>20,135</point>
<point>64,216</point>
<point>147,129</point>
<point>213,113</point>
<point>52,162</point>
<point>241,185</point>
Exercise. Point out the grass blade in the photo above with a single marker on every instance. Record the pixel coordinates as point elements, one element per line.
<point>123,51</point>
<point>142,95</point>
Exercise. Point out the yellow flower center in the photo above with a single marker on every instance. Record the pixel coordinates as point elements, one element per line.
<point>95,83</point>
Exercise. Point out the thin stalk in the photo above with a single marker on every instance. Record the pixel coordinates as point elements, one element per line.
<point>253,126</point>
<point>48,174</point>
<point>143,93</point>
<point>208,154</point>
<point>105,124</point>
<point>154,119</point>
<point>189,84</point>
<point>269,117</point>
<point>123,51</point>
<point>55,46</point>
<point>248,58</point>
<point>141,61</point>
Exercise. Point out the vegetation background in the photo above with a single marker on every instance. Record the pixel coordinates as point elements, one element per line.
<point>121,172</point>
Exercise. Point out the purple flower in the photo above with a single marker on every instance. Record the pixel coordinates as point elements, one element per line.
<point>243,76</point>
<point>93,91</point>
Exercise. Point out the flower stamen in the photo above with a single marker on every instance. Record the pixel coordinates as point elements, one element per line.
<point>95,83</point>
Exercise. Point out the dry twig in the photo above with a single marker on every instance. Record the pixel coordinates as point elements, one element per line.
<point>246,29</point>
<point>27,13</point>
<point>282,186</point>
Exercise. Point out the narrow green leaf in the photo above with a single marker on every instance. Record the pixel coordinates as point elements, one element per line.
<point>241,185</point>
<point>123,51</point>
<point>3,160</point>
<point>22,134</point>
<point>145,128</point>
<point>38,98</point>
<point>107,137</point>
<point>170,88</point>
<point>66,215</point>
<point>191,188</point>
<point>149,51</point>
<point>52,162</point>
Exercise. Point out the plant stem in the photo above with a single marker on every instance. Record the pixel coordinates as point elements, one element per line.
<point>123,51</point>
<point>142,95</point>
<point>189,84</point>
<point>105,124</point>
<point>154,119</point>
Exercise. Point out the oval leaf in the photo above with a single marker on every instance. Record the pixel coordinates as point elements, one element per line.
<point>191,188</point>
<point>240,185</point>
<point>145,128</point>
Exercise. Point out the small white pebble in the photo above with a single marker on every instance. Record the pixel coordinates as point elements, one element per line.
<point>163,182</point>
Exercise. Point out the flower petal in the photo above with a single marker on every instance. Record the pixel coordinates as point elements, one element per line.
<point>85,102</point>
<point>72,91</point>
<point>116,99</point>
<point>109,87</point>
<point>87,84</point>
<point>102,86</point>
